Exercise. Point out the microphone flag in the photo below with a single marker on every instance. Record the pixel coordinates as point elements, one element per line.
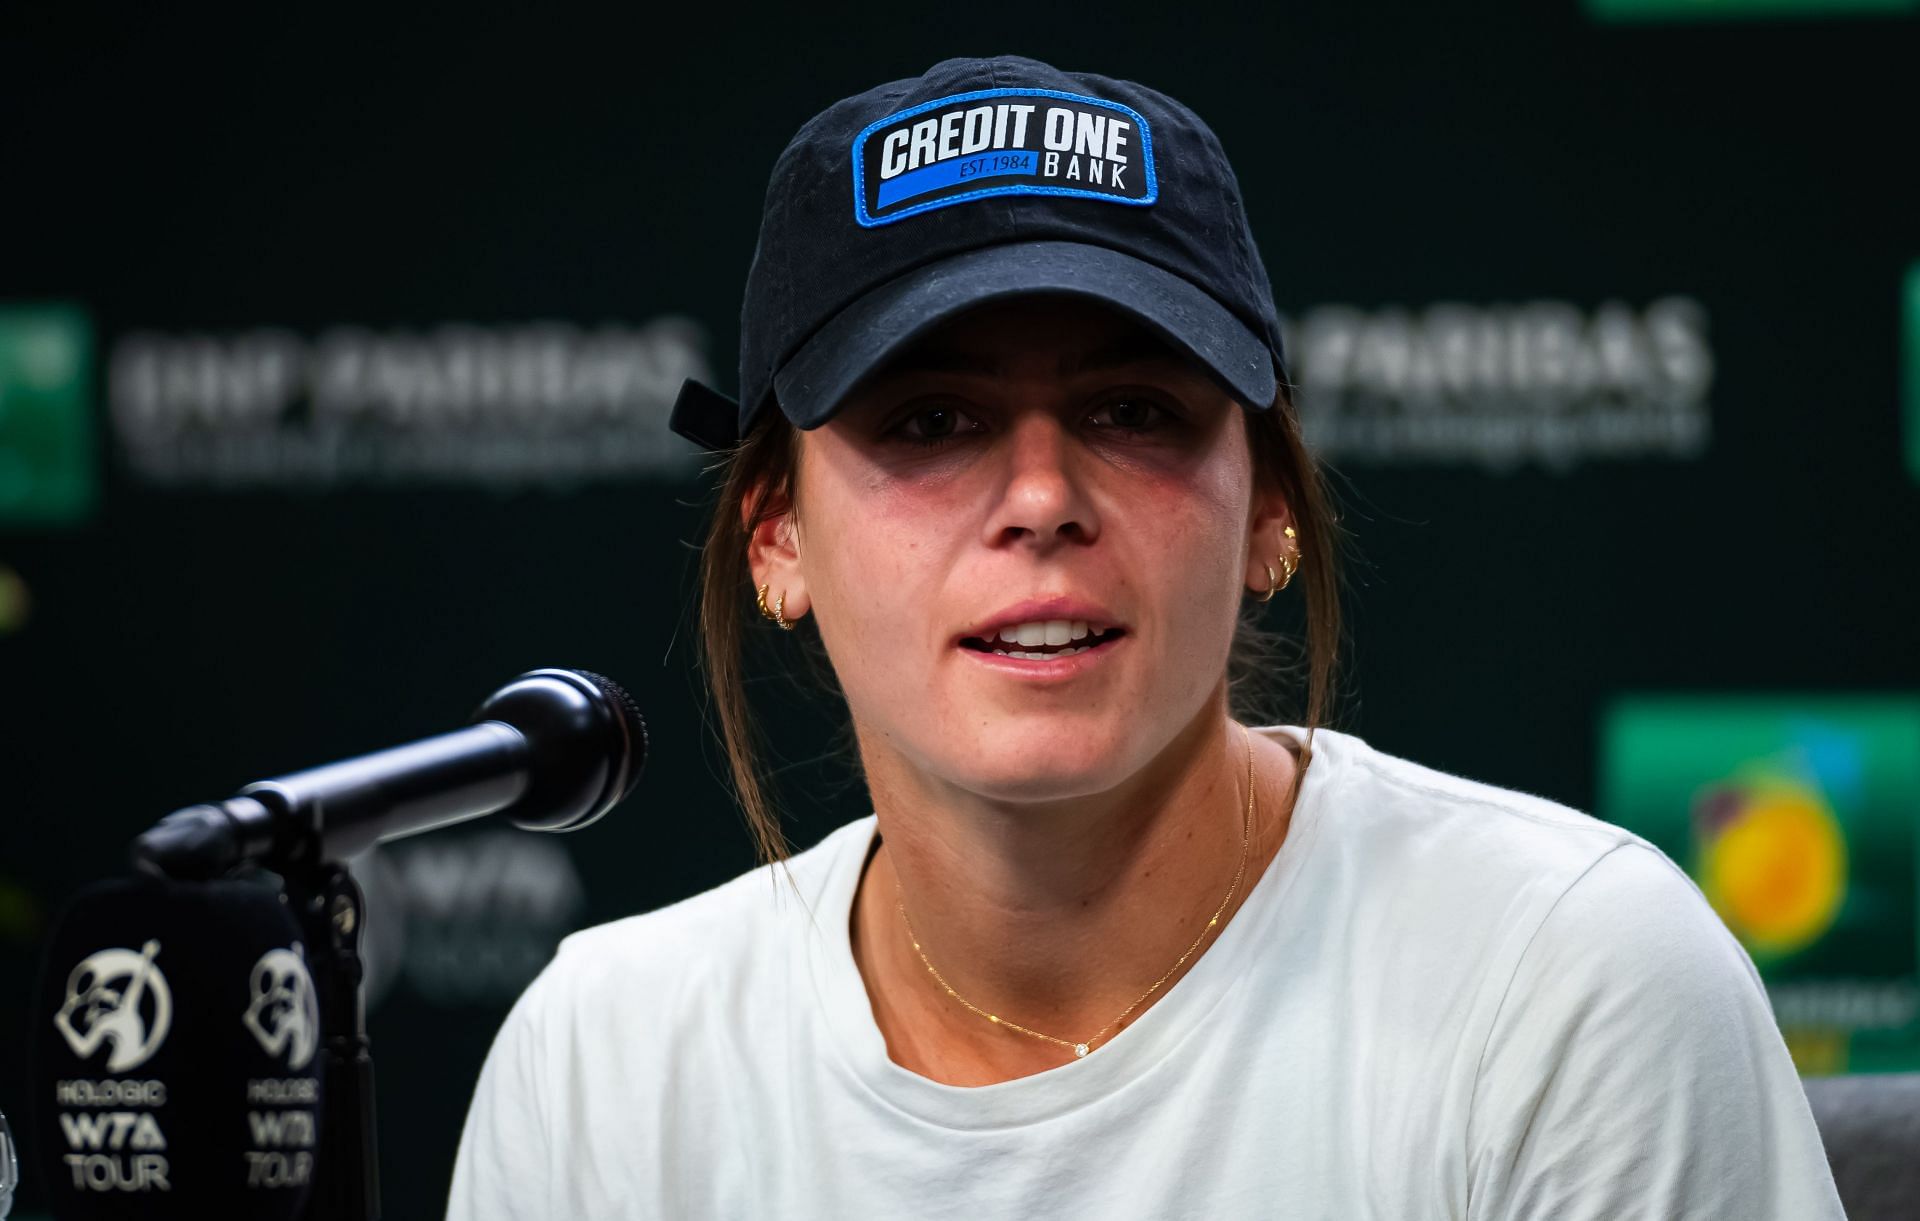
<point>178,1059</point>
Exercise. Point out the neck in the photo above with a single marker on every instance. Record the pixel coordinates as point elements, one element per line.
<point>1055,915</point>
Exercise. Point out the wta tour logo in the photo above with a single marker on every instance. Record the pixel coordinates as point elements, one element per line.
<point>284,1014</point>
<point>118,998</point>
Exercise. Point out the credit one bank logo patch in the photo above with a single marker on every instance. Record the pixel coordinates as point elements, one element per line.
<point>501,406</point>
<point>1001,142</point>
<point>1499,386</point>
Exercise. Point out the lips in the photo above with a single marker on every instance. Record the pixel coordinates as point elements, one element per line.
<point>1048,667</point>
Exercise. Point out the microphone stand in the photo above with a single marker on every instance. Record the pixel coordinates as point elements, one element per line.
<point>556,749</point>
<point>332,912</point>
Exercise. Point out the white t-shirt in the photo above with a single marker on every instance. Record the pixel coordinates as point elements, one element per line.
<point>1440,999</point>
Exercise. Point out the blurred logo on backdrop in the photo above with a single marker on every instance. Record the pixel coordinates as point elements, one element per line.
<point>16,604</point>
<point>47,463</point>
<point>22,915</point>
<point>465,920</point>
<point>1771,858</point>
<point>501,406</point>
<point>1495,387</point>
<point>1799,818</point>
<point>1502,386</point>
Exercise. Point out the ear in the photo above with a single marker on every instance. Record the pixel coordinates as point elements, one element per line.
<point>1267,541</point>
<point>773,553</point>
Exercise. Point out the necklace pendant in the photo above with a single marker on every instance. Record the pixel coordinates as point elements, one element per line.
<point>1079,1049</point>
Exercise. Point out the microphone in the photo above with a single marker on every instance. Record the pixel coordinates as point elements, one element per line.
<point>554,749</point>
<point>177,1054</point>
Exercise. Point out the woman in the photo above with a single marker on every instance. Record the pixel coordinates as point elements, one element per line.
<point>1015,444</point>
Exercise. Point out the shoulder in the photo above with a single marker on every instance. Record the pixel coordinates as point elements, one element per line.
<point>1459,887</point>
<point>1442,834</point>
<point>1634,1068</point>
<point>1401,790</point>
<point>720,936</point>
<point>1634,931</point>
<point>1521,895</point>
<point>1606,1017</point>
<point>1571,879</point>
<point>650,1006</point>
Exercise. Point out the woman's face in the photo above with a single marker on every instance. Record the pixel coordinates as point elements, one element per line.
<point>1032,471</point>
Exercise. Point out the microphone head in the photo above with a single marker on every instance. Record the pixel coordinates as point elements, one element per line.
<point>177,1054</point>
<point>586,745</point>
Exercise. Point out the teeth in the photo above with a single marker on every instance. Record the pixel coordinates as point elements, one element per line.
<point>1053,632</point>
<point>1024,656</point>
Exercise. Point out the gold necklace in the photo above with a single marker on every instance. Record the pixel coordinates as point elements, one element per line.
<point>1082,1047</point>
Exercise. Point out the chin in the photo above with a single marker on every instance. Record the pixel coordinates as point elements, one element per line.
<point>1036,758</point>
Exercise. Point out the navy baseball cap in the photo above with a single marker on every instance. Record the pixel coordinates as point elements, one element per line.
<point>984,179</point>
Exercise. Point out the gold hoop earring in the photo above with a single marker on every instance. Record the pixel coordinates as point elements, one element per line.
<point>1290,563</point>
<point>774,612</point>
<point>1288,566</point>
<point>1272,585</point>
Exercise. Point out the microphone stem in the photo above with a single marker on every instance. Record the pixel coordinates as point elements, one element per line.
<point>346,1182</point>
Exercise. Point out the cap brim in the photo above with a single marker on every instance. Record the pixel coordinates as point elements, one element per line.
<point>864,335</point>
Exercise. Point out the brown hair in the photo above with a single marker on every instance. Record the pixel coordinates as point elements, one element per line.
<point>763,467</point>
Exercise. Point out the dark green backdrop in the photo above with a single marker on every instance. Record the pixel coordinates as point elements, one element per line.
<point>181,639</point>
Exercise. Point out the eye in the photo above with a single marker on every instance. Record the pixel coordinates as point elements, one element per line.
<point>933,424</point>
<point>1131,413</point>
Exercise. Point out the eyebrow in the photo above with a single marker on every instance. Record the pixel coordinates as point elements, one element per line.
<point>1141,348</point>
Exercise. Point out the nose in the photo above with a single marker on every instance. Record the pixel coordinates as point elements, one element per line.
<point>1043,494</point>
